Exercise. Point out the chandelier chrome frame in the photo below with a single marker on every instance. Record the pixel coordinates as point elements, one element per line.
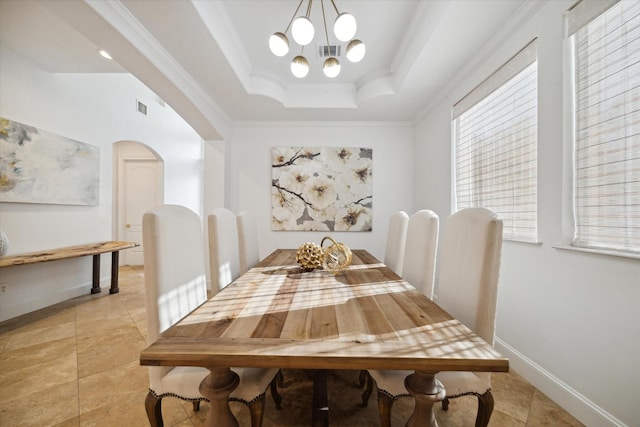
<point>303,33</point>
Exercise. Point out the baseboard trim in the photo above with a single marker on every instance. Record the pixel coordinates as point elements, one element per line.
<point>586,411</point>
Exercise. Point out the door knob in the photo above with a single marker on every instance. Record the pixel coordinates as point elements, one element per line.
<point>128,225</point>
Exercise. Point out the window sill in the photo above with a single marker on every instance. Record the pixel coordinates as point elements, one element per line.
<point>522,242</point>
<point>597,251</point>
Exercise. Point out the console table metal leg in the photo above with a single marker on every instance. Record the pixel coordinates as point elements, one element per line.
<point>95,287</point>
<point>114,272</point>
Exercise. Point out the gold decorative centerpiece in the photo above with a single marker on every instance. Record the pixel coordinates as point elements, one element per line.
<point>309,256</point>
<point>335,258</point>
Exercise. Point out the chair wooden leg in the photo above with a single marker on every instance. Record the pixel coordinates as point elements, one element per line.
<point>485,408</point>
<point>280,378</point>
<point>277,399</point>
<point>153,405</point>
<point>196,405</point>
<point>384,408</point>
<point>366,394</point>
<point>362,378</point>
<point>445,404</point>
<point>257,412</point>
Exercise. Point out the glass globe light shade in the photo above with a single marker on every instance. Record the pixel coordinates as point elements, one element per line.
<point>331,67</point>
<point>355,50</point>
<point>302,31</point>
<point>299,66</point>
<point>345,27</point>
<point>279,44</point>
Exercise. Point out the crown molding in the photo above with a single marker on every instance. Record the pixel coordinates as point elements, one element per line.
<point>518,20</point>
<point>298,95</point>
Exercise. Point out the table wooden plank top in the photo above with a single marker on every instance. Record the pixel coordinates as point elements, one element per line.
<point>65,252</point>
<point>367,317</point>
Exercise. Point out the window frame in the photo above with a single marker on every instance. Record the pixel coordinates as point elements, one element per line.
<point>569,225</point>
<point>502,76</point>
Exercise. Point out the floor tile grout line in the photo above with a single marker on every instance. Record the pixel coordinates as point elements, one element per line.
<point>75,322</point>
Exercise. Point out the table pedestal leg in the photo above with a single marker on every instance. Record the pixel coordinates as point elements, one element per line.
<point>427,391</point>
<point>217,387</point>
<point>320,415</point>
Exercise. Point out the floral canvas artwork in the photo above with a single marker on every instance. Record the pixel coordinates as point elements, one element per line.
<point>321,189</point>
<point>37,166</point>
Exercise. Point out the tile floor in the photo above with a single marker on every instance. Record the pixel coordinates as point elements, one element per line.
<point>76,364</point>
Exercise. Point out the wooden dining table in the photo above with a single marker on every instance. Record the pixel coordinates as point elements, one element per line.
<point>366,317</point>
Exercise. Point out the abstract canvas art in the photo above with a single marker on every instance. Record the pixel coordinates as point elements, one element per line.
<point>37,166</point>
<point>321,189</point>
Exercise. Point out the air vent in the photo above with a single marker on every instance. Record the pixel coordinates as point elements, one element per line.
<point>330,50</point>
<point>142,108</point>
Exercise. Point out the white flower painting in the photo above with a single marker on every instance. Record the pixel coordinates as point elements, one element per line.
<point>321,189</point>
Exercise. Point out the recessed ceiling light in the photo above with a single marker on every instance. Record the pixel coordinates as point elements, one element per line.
<point>104,54</point>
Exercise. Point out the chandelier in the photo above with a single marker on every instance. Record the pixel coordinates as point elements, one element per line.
<point>303,32</point>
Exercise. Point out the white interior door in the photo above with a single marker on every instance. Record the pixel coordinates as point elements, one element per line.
<point>143,192</point>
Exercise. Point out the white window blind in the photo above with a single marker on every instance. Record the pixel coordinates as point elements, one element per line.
<point>495,136</point>
<point>607,128</point>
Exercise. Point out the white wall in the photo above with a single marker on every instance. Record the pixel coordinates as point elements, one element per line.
<point>214,174</point>
<point>568,321</point>
<point>97,109</point>
<point>250,183</point>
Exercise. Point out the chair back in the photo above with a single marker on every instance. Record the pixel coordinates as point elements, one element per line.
<point>224,252</point>
<point>468,269</point>
<point>174,268</point>
<point>396,241</point>
<point>247,241</point>
<point>420,251</point>
<point>174,272</point>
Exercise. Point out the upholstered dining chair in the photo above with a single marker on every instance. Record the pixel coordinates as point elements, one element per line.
<point>468,265</point>
<point>224,248</point>
<point>396,241</point>
<point>249,250</point>
<point>419,270</point>
<point>419,264</point>
<point>175,285</point>
<point>473,239</point>
<point>248,241</point>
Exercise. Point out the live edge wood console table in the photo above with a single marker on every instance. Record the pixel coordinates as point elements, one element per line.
<point>94,249</point>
